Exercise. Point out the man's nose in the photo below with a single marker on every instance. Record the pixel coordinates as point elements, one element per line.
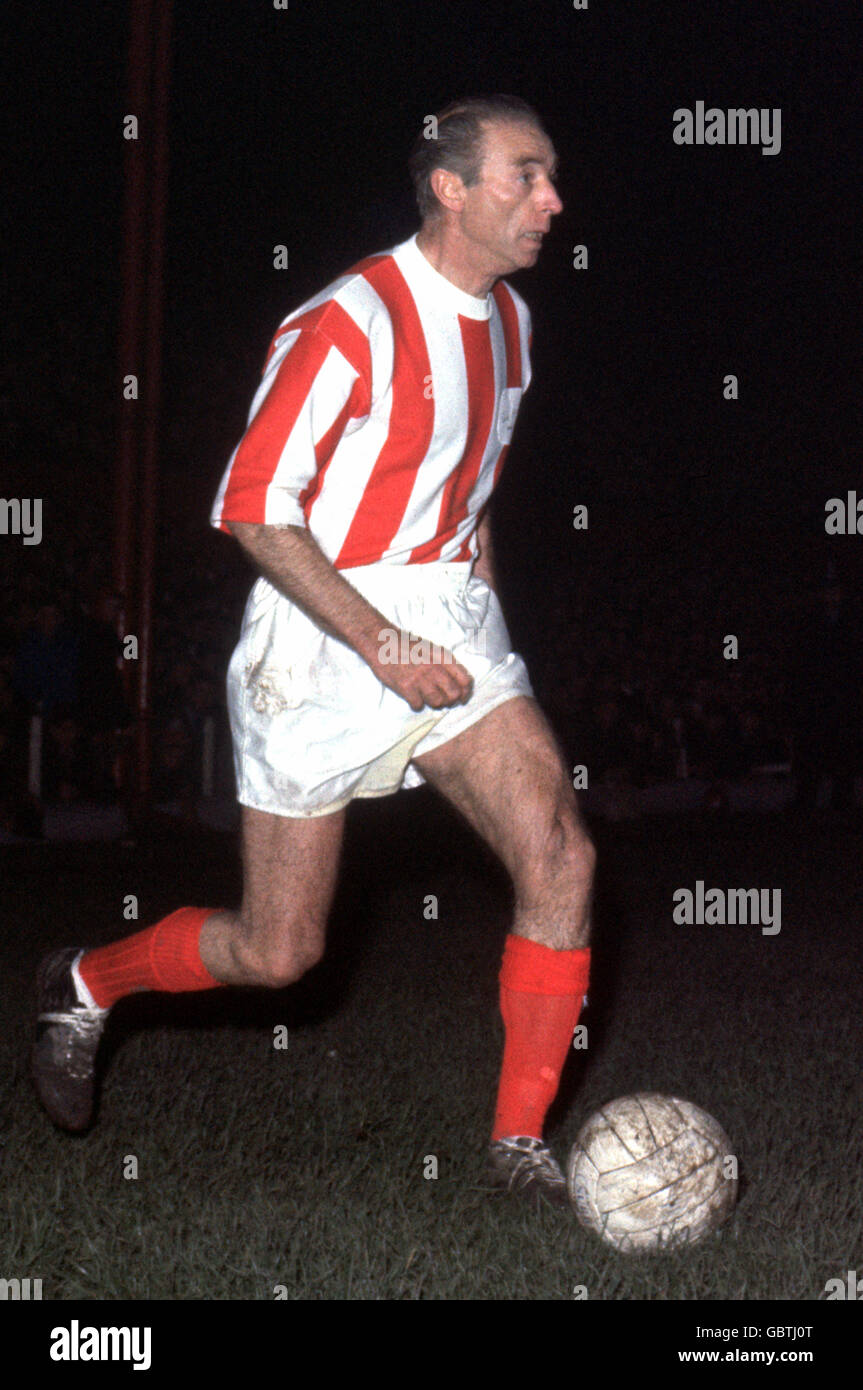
<point>550,200</point>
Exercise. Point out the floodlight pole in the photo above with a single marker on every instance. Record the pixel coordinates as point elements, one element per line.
<point>133,276</point>
<point>146,179</point>
<point>152,393</point>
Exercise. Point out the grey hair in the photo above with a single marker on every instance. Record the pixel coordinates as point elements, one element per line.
<point>455,142</point>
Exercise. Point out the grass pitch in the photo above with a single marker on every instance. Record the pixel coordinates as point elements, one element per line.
<point>301,1171</point>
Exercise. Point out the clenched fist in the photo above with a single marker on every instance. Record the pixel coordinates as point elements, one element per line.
<point>421,672</point>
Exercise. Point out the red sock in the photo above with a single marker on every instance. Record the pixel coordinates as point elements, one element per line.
<point>541,994</point>
<point>164,957</point>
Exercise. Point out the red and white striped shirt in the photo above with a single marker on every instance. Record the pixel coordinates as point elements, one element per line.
<point>384,415</point>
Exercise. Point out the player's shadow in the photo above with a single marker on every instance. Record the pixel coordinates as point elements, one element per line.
<point>386,841</point>
<point>317,997</point>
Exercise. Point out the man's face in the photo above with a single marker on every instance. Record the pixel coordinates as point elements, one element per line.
<point>507,212</point>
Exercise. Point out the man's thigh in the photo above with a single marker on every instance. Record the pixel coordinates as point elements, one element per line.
<point>290,870</point>
<point>507,776</point>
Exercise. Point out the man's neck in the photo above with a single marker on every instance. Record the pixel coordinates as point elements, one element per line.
<point>452,264</point>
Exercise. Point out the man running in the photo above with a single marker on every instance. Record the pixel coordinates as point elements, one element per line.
<point>374,654</point>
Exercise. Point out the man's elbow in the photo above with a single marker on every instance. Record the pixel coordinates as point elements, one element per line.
<point>252,528</point>
<point>247,532</point>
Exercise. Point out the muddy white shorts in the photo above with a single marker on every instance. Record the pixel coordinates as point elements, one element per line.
<point>312,725</point>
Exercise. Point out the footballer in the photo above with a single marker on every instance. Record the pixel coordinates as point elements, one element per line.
<point>373,653</point>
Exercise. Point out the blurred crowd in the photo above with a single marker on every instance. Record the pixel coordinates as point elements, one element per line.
<point>62,661</point>
<point>638,702</point>
<point>640,693</point>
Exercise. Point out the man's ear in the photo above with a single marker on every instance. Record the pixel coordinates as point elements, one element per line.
<point>448,188</point>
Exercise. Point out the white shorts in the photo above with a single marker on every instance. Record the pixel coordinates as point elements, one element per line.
<point>312,725</point>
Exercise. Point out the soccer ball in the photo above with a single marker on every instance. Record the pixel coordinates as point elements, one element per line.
<point>651,1172</point>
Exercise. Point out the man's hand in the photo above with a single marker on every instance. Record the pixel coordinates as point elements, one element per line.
<point>420,672</point>
<point>423,674</point>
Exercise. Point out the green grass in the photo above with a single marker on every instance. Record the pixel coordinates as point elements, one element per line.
<point>303,1168</point>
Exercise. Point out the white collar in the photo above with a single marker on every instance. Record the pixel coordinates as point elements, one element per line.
<point>438,286</point>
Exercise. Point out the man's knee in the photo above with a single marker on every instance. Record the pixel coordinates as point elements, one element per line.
<point>563,852</point>
<point>573,852</point>
<point>278,954</point>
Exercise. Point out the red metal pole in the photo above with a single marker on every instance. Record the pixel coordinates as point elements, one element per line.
<point>131,333</point>
<point>133,271</point>
<point>152,392</point>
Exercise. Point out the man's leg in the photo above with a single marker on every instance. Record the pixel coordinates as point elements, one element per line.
<point>290,866</point>
<point>290,870</point>
<point>507,777</point>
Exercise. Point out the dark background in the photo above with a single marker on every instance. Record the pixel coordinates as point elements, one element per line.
<point>706,516</point>
<point>294,127</point>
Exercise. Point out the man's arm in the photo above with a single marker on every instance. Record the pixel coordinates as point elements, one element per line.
<point>291,559</point>
<point>484,564</point>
